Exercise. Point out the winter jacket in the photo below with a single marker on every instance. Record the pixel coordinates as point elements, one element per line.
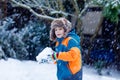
<point>69,60</point>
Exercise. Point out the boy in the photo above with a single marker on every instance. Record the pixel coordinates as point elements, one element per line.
<point>67,50</point>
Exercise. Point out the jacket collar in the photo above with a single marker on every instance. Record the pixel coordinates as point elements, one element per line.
<point>60,39</point>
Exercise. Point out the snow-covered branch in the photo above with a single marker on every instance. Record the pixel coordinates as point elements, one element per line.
<point>32,11</point>
<point>53,6</point>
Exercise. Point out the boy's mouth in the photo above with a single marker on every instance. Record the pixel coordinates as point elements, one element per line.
<point>58,34</point>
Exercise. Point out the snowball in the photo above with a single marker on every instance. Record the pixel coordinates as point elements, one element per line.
<point>44,55</point>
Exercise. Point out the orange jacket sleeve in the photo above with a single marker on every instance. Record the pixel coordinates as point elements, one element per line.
<point>71,55</point>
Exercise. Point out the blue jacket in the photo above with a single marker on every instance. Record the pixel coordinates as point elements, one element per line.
<point>69,60</point>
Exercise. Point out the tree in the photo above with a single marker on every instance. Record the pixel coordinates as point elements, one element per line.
<point>50,9</point>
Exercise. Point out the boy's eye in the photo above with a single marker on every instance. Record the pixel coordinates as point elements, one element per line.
<point>56,29</point>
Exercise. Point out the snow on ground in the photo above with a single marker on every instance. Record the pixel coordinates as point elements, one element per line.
<point>91,74</point>
<point>31,70</point>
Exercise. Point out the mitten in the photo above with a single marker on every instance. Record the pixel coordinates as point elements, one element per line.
<point>54,55</point>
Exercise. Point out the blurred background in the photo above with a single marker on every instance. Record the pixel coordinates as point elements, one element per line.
<point>25,25</point>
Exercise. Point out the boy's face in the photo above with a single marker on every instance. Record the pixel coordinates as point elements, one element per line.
<point>59,32</point>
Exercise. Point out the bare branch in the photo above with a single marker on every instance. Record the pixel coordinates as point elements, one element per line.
<point>76,7</point>
<point>29,4</point>
<point>60,4</point>
<point>85,8</point>
<point>31,10</point>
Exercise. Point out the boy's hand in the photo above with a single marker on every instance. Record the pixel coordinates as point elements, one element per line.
<point>54,56</point>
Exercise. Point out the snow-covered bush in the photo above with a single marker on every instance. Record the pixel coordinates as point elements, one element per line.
<point>23,43</point>
<point>111,9</point>
<point>10,42</point>
<point>2,54</point>
<point>35,36</point>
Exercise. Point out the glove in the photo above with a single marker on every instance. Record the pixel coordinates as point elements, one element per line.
<point>54,56</point>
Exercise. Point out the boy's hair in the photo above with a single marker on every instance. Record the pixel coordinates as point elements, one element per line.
<point>59,22</point>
